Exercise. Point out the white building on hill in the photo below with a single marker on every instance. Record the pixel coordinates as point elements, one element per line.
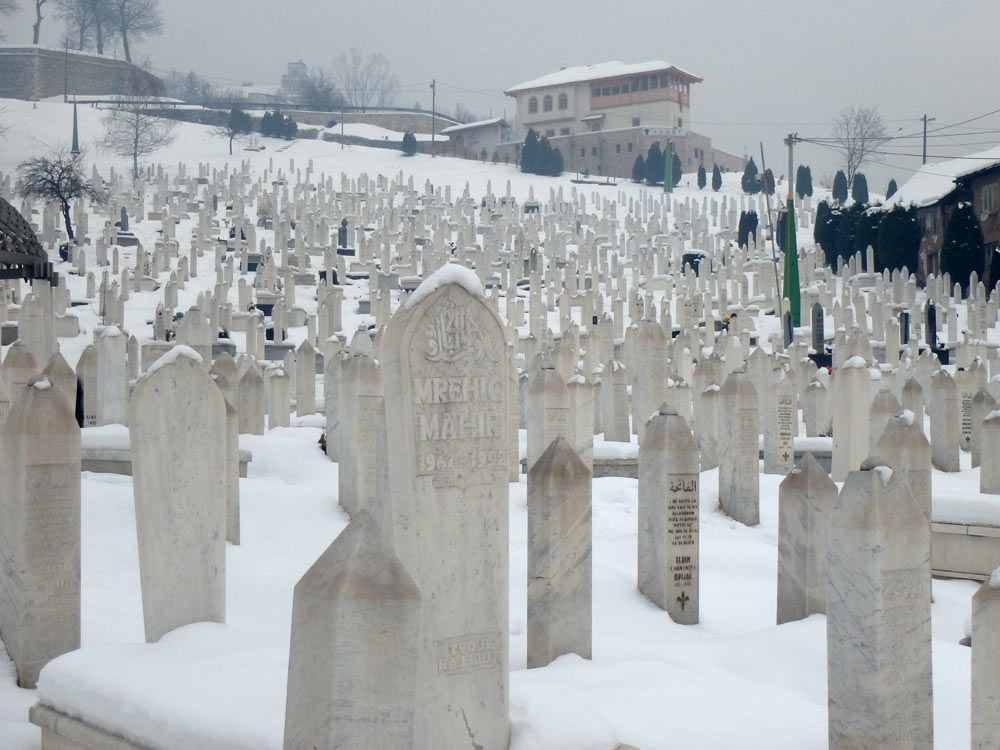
<point>602,116</point>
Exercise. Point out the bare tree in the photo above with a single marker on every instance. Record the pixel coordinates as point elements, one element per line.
<point>366,81</point>
<point>463,114</point>
<point>36,27</point>
<point>135,19</point>
<point>133,130</point>
<point>7,7</point>
<point>237,126</point>
<point>320,92</point>
<point>57,178</point>
<point>88,21</point>
<point>859,131</point>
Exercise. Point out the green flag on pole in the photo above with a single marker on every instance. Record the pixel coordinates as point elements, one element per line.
<point>76,133</point>
<point>668,168</point>
<point>791,290</point>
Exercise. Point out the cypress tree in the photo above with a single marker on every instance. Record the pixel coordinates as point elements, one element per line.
<point>825,231</point>
<point>750,181</point>
<point>266,127</point>
<point>768,181</point>
<point>716,178</point>
<point>800,181</point>
<point>409,144</point>
<point>962,252</point>
<point>859,188</point>
<point>639,169</point>
<point>891,190</point>
<point>847,228</point>
<point>529,154</point>
<point>655,165</point>
<point>898,241</point>
<point>746,227</point>
<point>702,177</point>
<point>866,232</point>
<point>809,181</point>
<point>840,187</point>
<point>289,128</point>
<point>676,169</point>
<point>557,162</point>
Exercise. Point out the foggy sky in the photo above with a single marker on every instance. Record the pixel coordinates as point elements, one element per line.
<point>769,68</point>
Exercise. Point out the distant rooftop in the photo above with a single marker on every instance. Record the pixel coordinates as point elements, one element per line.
<point>473,125</point>
<point>932,182</point>
<point>599,71</point>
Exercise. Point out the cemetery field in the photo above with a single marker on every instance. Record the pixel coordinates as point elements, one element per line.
<point>437,425</point>
<point>736,680</point>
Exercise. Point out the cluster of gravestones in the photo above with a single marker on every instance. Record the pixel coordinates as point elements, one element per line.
<point>399,633</point>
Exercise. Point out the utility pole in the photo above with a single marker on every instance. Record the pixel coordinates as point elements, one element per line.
<point>433,113</point>
<point>66,70</point>
<point>926,120</point>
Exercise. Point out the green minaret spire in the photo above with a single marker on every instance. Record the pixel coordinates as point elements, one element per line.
<point>76,132</point>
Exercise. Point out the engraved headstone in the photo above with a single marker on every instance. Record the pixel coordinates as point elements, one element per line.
<point>39,530</point>
<point>446,376</point>
<point>559,555</point>
<point>818,321</point>
<point>780,416</point>
<point>360,404</point>
<point>112,376</point>
<point>250,401</point>
<point>669,517</point>
<point>547,406</point>
<point>944,408</point>
<point>179,475</point>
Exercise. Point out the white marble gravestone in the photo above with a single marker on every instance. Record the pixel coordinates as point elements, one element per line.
<point>179,474</point>
<point>446,378</point>
<point>669,489</point>
<point>986,664</point>
<point>559,555</point>
<point>352,656</point>
<point>39,530</point>
<point>878,606</point>
<point>739,479</point>
<point>806,499</point>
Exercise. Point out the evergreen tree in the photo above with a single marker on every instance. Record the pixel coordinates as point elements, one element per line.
<point>702,177</point>
<point>557,162</point>
<point>898,241</point>
<point>781,229</point>
<point>716,178</point>
<point>529,154</point>
<point>962,252</point>
<point>676,170</point>
<point>800,181</point>
<point>825,231</point>
<point>544,162</point>
<point>655,165</point>
<point>866,232</point>
<point>746,227</point>
<point>409,144</point>
<point>639,169</point>
<point>891,190</point>
<point>289,128</point>
<point>809,181</point>
<point>751,180</point>
<point>847,228</point>
<point>840,187</point>
<point>859,188</point>
<point>266,124</point>
<point>768,181</point>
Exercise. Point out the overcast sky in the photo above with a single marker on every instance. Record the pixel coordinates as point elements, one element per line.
<point>769,68</point>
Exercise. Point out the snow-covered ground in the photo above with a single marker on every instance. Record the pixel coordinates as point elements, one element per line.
<point>736,680</point>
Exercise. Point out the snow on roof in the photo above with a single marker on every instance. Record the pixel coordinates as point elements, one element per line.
<point>473,125</point>
<point>595,72</point>
<point>932,182</point>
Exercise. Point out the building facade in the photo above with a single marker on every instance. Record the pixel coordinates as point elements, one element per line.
<point>476,140</point>
<point>601,117</point>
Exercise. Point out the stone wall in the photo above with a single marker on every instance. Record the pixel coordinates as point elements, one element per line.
<point>414,122</point>
<point>613,152</point>
<point>39,72</point>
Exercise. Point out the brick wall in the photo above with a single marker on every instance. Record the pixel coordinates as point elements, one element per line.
<point>39,72</point>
